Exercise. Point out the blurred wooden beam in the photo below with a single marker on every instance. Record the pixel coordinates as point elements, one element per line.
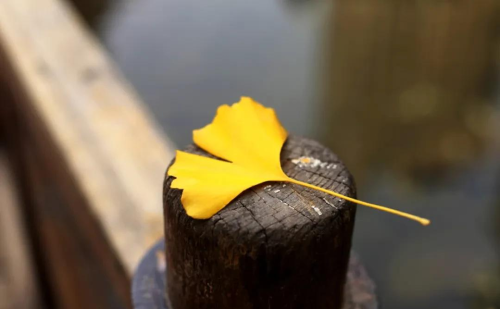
<point>18,276</point>
<point>90,158</point>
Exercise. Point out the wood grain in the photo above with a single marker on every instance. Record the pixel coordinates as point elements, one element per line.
<point>89,158</point>
<point>149,284</point>
<point>70,95</point>
<point>276,245</point>
<point>18,276</point>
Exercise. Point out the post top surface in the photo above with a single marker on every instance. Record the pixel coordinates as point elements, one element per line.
<point>267,210</point>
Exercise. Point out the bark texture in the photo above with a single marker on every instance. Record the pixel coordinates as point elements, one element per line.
<point>277,245</point>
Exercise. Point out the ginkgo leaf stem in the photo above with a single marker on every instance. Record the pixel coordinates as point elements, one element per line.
<point>422,221</point>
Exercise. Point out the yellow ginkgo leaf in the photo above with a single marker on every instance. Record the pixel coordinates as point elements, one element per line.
<point>249,137</point>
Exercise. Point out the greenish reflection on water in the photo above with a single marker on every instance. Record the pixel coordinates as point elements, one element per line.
<point>404,91</point>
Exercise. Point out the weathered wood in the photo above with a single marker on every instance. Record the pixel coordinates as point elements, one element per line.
<point>90,116</point>
<point>69,89</point>
<point>89,158</point>
<point>79,269</point>
<point>149,285</point>
<point>18,275</point>
<point>275,246</point>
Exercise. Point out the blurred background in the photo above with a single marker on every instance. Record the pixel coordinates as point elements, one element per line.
<point>412,86</point>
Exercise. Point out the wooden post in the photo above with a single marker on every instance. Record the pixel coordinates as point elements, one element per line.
<point>276,245</point>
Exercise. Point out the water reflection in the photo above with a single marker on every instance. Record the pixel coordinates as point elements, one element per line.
<point>188,57</point>
<point>410,85</point>
<point>486,284</point>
